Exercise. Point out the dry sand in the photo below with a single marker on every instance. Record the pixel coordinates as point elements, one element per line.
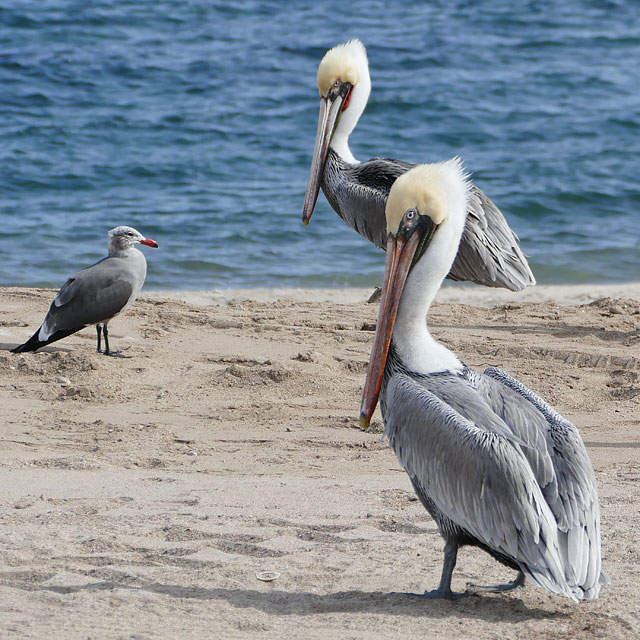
<point>145,497</point>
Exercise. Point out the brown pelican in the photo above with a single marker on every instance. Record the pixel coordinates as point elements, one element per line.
<point>489,253</point>
<point>96,294</point>
<point>493,463</point>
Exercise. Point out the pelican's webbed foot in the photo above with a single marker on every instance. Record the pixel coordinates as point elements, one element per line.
<point>441,594</point>
<point>375,296</point>
<point>496,588</point>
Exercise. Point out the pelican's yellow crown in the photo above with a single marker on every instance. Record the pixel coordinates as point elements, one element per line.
<point>341,63</point>
<point>426,188</point>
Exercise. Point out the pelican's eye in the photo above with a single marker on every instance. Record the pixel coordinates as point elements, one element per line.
<point>409,223</point>
<point>336,83</point>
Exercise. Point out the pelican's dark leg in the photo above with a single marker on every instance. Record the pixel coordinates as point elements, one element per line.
<point>99,330</point>
<point>497,588</point>
<point>444,589</point>
<point>376,295</point>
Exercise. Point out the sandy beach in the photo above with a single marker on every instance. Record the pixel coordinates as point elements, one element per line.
<point>216,483</point>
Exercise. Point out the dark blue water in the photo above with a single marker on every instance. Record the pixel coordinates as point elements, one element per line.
<point>194,121</point>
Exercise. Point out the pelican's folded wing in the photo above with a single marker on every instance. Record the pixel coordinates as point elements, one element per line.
<point>489,251</point>
<point>574,499</point>
<point>476,478</point>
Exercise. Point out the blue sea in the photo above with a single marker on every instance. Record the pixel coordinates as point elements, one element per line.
<point>194,121</point>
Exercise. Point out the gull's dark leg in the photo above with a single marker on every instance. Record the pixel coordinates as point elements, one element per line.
<point>99,330</point>
<point>497,588</point>
<point>444,589</point>
<point>107,351</point>
<point>106,340</point>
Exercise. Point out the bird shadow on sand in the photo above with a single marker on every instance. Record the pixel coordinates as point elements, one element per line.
<point>120,353</point>
<point>560,331</point>
<point>282,603</point>
<point>7,346</point>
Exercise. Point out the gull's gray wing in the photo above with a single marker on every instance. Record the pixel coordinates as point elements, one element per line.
<point>92,295</point>
<point>478,478</point>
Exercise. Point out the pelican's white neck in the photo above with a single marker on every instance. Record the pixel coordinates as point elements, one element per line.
<point>416,347</point>
<point>350,116</point>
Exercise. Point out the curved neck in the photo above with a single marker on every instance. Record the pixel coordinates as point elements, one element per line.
<point>416,347</point>
<point>349,119</point>
<point>120,251</point>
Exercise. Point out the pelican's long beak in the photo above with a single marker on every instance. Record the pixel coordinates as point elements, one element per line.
<point>330,108</point>
<point>400,253</point>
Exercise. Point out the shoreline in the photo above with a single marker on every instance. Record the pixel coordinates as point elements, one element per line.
<point>451,293</point>
<point>473,295</point>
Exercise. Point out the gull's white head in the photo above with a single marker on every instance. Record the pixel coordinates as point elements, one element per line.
<point>436,190</point>
<point>122,238</point>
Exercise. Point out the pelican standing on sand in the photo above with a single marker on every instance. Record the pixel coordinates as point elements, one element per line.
<point>493,463</point>
<point>489,253</point>
<point>97,294</point>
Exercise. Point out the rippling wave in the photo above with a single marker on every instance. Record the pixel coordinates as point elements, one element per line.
<point>194,121</point>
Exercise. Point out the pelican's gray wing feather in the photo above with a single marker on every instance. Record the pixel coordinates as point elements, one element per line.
<point>572,495</point>
<point>476,477</point>
<point>91,295</point>
<point>358,193</point>
<point>489,253</point>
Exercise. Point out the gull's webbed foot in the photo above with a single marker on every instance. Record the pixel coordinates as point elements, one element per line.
<point>116,354</point>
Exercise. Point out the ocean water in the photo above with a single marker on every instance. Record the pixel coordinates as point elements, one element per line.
<point>194,121</point>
